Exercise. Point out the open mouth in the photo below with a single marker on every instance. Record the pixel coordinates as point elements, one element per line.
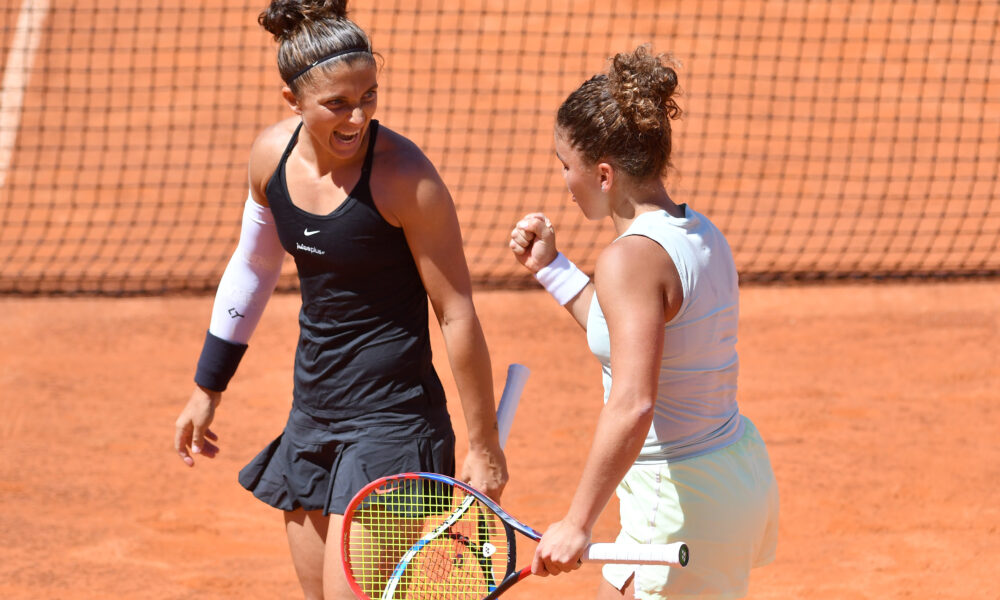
<point>346,138</point>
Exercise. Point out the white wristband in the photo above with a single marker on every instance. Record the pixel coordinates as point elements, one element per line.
<point>562,279</point>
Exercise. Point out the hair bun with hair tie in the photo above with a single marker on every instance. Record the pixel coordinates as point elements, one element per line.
<point>283,18</point>
<point>643,88</point>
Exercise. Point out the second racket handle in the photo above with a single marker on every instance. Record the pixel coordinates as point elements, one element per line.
<point>517,376</point>
<point>675,555</point>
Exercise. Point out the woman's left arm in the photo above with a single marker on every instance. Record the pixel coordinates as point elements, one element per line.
<point>426,213</point>
<point>633,299</point>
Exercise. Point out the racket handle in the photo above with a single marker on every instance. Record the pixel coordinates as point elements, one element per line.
<point>675,555</point>
<point>517,376</point>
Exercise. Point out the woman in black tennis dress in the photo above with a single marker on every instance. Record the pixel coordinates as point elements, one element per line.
<point>374,234</point>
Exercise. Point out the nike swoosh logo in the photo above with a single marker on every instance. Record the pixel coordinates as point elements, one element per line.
<point>307,232</point>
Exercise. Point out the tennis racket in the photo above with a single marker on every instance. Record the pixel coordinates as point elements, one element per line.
<point>427,536</point>
<point>517,377</point>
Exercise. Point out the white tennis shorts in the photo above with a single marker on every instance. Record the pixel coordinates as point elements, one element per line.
<point>723,504</point>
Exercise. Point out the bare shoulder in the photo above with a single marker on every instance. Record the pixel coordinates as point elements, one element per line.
<point>632,254</point>
<point>404,180</point>
<point>396,152</point>
<point>635,267</point>
<point>265,153</point>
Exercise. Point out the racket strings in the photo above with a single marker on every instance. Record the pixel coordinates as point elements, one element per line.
<point>416,539</point>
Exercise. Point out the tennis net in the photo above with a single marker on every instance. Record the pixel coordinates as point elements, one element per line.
<point>827,139</point>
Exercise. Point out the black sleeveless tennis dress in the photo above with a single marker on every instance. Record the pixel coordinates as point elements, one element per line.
<point>367,401</point>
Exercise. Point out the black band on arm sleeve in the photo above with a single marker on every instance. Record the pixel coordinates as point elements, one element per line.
<point>218,362</point>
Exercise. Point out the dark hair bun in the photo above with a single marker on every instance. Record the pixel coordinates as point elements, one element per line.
<point>643,87</point>
<point>284,17</point>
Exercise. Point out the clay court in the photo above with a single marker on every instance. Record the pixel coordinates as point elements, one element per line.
<point>878,403</point>
<point>832,142</point>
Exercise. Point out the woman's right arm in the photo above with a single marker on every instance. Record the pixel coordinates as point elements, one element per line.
<point>533,242</point>
<point>243,292</point>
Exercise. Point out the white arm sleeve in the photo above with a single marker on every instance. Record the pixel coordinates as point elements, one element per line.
<point>250,277</point>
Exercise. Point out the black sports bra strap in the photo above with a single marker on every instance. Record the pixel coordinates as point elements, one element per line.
<point>366,168</point>
<point>291,142</point>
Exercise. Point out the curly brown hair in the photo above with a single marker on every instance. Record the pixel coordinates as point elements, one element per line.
<point>623,115</point>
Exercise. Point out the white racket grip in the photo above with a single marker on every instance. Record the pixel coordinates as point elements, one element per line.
<point>675,554</point>
<point>517,376</point>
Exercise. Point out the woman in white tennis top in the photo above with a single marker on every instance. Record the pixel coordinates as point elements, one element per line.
<point>661,317</point>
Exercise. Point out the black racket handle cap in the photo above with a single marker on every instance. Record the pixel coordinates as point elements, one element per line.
<point>683,555</point>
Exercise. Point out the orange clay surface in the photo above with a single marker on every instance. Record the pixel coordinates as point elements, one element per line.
<point>880,406</point>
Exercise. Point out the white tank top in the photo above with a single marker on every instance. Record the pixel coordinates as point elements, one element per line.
<point>696,410</point>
